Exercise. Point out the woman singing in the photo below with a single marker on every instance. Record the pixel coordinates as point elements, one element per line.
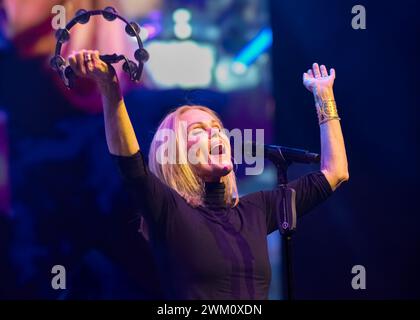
<point>208,242</point>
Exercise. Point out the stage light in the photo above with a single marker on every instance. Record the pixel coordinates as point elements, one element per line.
<point>182,27</point>
<point>181,16</point>
<point>182,30</point>
<point>184,64</point>
<point>253,50</point>
<point>227,79</point>
<point>239,68</point>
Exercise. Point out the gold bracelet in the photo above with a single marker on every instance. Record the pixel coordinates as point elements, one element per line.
<point>327,112</point>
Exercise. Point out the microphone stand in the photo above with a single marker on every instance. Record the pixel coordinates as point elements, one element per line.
<point>286,214</point>
<point>286,219</point>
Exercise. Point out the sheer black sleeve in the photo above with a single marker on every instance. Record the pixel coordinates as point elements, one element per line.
<point>151,197</point>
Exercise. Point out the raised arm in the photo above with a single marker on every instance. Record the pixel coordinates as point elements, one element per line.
<point>151,198</point>
<point>333,152</point>
<point>120,135</point>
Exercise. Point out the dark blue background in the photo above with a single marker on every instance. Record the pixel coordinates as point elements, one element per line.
<point>373,220</point>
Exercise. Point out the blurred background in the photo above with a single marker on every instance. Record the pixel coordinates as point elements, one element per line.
<point>60,194</point>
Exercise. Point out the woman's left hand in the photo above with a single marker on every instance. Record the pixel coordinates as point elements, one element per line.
<point>319,82</point>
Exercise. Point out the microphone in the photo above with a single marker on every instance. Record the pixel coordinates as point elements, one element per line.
<point>280,153</point>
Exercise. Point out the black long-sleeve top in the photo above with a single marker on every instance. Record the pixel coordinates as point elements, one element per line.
<point>212,251</point>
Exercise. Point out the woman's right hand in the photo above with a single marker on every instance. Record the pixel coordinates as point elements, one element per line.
<point>87,64</point>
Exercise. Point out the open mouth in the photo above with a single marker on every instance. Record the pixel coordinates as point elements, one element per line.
<point>218,150</point>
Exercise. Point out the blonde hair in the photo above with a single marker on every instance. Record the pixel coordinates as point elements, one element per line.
<point>181,176</point>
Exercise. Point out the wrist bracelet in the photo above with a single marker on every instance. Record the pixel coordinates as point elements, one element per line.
<point>327,111</point>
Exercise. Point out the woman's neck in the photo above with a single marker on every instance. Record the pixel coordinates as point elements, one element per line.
<point>214,195</point>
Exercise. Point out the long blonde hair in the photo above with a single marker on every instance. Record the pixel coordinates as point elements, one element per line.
<point>181,176</point>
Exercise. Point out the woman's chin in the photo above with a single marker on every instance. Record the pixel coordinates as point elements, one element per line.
<point>221,169</point>
<point>215,170</point>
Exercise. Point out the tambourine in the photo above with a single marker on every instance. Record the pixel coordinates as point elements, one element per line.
<point>82,16</point>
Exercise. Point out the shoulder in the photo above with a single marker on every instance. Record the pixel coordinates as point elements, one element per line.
<point>253,200</point>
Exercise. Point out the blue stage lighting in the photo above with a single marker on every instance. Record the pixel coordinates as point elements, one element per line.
<point>253,50</point>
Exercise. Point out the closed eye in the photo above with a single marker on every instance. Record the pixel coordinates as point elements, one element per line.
<point>196,131</point>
